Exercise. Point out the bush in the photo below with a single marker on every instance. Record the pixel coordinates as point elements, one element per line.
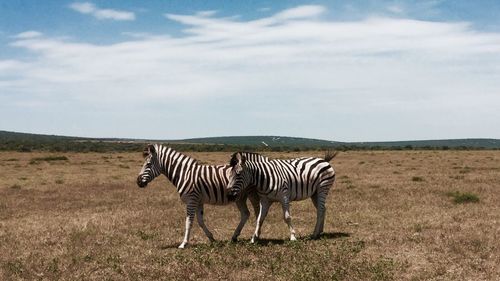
<point>50,158</point>
<point>418,179</point>
<point>466,197</point>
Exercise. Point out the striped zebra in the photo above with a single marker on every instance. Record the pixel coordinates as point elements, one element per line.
<point>196,184</point>
<point>284,181</point>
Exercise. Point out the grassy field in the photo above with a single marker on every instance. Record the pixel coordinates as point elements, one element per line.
<point>407,215</point>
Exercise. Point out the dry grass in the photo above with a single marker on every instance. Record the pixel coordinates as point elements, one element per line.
<point>390,217</point>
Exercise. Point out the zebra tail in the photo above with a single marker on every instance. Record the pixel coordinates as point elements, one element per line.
<point>330,154</point>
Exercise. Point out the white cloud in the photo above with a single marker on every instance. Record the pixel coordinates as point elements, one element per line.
<point>84,8</point>
<point>91,9</point>
<point>306,11</point>
<point>395,9</point>
<point>357,72</point>
<point>28,34</point>
<point>206,13</point>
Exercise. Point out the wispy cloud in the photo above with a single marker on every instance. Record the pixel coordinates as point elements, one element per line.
<point>28,34</point>
<point>92,9</point>
<point>295,59</point>
<point>395,9</point>
<point>306,11</point>
<point>208,13</point>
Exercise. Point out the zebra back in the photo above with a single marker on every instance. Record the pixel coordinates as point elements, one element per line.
<point>300,177</point>
<point>253,156</point>
<point>208,182</point>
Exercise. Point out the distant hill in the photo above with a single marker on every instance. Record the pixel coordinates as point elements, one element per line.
<point>450,143</point>
<point>15,136</point>
<point>28,142</point>
<point>264,141</point>
<point>273,141</point>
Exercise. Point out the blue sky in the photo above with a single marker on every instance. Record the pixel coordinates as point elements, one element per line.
<point>338,70</point>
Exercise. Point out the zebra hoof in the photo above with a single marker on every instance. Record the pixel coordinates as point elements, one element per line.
<point>234,239</point>
<point>293,238</point>
<point>210,237</point>
<point>182,246</point>
<point>253,240</point>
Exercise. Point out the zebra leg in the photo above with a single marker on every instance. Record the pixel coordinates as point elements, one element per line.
<point>316,232</point>
<point>264,207</point>
<point>288,218</point>
<point>322,206</point>
<point>254,199</point>
<point>244,215</point>
<point>191,210</point>
<point>199,216</point>
<point>319,202</point>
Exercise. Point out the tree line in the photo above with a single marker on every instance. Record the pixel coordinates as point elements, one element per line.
<point>109,146</point>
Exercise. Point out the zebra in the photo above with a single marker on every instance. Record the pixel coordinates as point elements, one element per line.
<point>196,184</point>
<point>284,181</point>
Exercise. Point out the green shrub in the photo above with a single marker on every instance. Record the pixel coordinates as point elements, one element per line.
<point>50,158</point>
<point>466,197</point>
<point>418,179</point>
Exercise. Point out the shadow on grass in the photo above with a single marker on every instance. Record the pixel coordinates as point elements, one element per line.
<point>323,236</point>
<point>333,235</point>
<point>170,246</point>
<point>261,242</point>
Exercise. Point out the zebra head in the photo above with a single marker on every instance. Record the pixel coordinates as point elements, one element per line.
<point>238,179</point>
<point>151,167</point>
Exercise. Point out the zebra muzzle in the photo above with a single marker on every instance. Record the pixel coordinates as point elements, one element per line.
<point>141,182</point>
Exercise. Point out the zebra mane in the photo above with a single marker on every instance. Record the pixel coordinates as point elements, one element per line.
<point>249,156</point>
<point>159,147</point>
<point>246,153</point>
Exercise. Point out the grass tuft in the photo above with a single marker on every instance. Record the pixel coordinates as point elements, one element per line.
<point>50,158</point>
<point>145,235</point>
<point>114,262</point>
<point>417,179</point>
<point>417,228</point>
<point>466,197</point>
<point>15,186</point>
<point>15,267</point>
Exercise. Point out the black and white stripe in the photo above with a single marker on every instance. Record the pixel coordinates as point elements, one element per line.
<point>196,184</point>
<point>285,181</point>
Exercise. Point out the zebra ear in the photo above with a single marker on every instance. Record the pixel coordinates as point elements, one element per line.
<point>237,158</point>
<point>241,158</point>
<point>150,149</point>
<point>234,159</point>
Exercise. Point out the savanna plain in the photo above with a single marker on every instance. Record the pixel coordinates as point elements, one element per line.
<point>391,215</point>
